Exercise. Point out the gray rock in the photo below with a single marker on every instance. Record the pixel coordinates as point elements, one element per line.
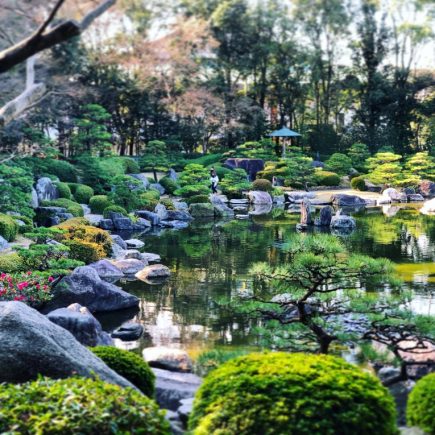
<point>279,199</point>
<point>251,166</point>
<point>86,209</point>
<point>119,241</point>
<point>132,253</point>
<point>150,257</point>
<point>416,197</point>
<point>129,266</point>
<point>172,175</point>
<point>85,287</point>
<point>117,252</point>
<point>123,223</point>
<point>317,164</point>
<point>95,219</point>
<point>149,215</point>
<point>106,224</point>
<point>167,358</point>
<point>161,212</point>
<point>428,207</point>
<point>185,409</point>
<point>220,208</point>
<point>171,387</point>
<point>128,331</point>
<point>240,201</point>
<point>153,272</point>
<point>142,178</point>
<point>141,224</point>
<point>306,212</point>
<point>158,187</point>
<point>388,373</point>
<point>324,220</point>
<point>342,200</point>
<point>342,222</point>
<point>3,244</point>
<point>201,210</point>
<point>32,345</point>
<point>34,199</point>
<point>298,196</point>
<point>426,188</point>
<point>46,190</point>
<point>392,194</point>
<point>259,197</point>
<point>106,270</point>
<point>134,243</point>
<point>178,225</point>
<point>49,216</point>
<point>82,324</point>
<point>180,205</point>
<point>178,215</point>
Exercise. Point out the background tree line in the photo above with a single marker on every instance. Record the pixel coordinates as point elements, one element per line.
<point>213,73</point>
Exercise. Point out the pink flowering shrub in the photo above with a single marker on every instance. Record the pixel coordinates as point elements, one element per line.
<point>28,287</point>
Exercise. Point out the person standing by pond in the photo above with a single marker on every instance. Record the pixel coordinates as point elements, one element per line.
<point>214,180</point>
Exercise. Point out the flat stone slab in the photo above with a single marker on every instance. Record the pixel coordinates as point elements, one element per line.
<point>129,266</point>
<point>134,243</point>
<point>153,272</point>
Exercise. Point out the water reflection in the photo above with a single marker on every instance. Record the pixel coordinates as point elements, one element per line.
<point>210,261</point>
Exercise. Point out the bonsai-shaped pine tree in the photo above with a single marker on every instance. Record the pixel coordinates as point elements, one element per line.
<point>420,166</point>
<point>91,135</point>
<point>154,157</point>
<point>385,168</point>
<point>301,303</point>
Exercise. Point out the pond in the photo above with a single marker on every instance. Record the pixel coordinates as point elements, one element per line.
<point>210,261</point>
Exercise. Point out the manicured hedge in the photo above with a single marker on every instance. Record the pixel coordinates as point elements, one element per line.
<point>169,184</point>
<point>358,183</point>
<point>262,184</point>
<point>83,194</point>
<point>64,190</point>
<point>10,263</point>
<point>326,178</point>
<point>198,199</point>
<point>8,227</point>
<point>420,409</point>
<point>283,393</point>
<point>99,203</point>
<point>130,366</point>
<point>116,209</point>
<point>77,406</point>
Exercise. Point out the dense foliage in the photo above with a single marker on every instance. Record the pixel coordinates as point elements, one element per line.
<point>129,365</point>
<point>420,409</point>
<point>77,405</point>
<point>279,393</point>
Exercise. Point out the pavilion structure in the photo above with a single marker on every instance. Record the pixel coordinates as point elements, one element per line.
<point>283,136</point>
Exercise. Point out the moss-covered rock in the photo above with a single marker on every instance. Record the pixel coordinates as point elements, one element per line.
<point>130,366</point>
<point>282,393</point>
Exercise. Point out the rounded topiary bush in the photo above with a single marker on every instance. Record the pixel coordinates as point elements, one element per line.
<point>129,365</point>
<point>77,406</point>
<point>282,393</point>
<point>116,209</point>
<point>169,184</point>
<point>262,184</point>
<point>8,227</point>
<point>99,203</point>
<point>64,190</point>
<point>420,409</point>
<point>83,193</point>
<point>358,183</point>
<point>198,199</point>
<point>130,166</point>
<point>326,178</point>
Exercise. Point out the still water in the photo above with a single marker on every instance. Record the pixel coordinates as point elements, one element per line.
<point>210,261</point>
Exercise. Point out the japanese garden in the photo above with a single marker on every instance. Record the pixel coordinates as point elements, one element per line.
<point>217,217</point>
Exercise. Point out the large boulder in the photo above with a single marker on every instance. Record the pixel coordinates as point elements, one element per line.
<point>3,244</point>
<point>134,243</point>
<point>153,272</point>
<point>34,201</point>
<point>82,324</point>
<point>426,188</point>
<point>142,178</point>
<point>220,208</point>
<point>118,240</point>
<point>167,358</point>
<point>343,200</point>
<point>259,197</point>
<point>201,210</point>
<point>172,387</point>
<point>161,212</point>
<point>324,220</point>
<point>106,270</point>
<point>179,215</point>
<point>128,331</point>
<point>428,207</point>
<point>298,196</point>
<point>415,197</point>
<point>46,190</point>
<point>394,195</point>
<point>251,166</point>
<point>342,222</point>
<point>85,287</point>
<point>148,215</point>
<point>32,345</point>
<point>130,266</point>
<point>158,187</point>
<point>50,216</point>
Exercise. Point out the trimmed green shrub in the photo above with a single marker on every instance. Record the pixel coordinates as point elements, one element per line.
<point>169,184</point>
<point>262,184</point>
<point>206,160</point>
<point>71,207</point>
<point>61,169</point>
<point>151,194</point>
<point>130,366</point>
<point>130,166</point>
<point>221,171</point>
<point>420,409</point>
<point>339,163</point>
<point>358,183</point>
<point>168,203</point>
<point>359,153</point>
<point>8,227</point>
<point>82,250</point>
<point>78,406</point>
<point>126,192</point>
<point>99,203</point>
<point>83,194</point>
<point>148,204</point>
<point>64,190</point>
<point>10,263</point>
<point>326,178</point>
<point>283,393</point>
<point>116,209</point>
<point>192,190</point>
<point>198,199</point>
<point>27,221</point>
